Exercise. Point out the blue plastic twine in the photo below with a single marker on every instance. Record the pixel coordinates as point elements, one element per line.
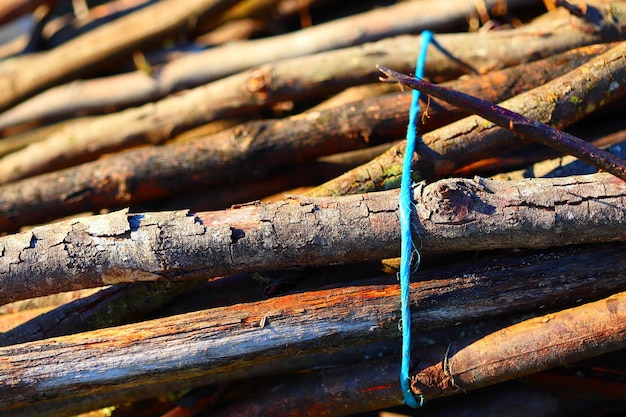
<point>405,230</point>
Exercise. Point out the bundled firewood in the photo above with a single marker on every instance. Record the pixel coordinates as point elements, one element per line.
<point>200,212</point>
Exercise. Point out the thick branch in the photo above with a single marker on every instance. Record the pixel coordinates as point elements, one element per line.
<point>251,339</point>
<point>452,215</point>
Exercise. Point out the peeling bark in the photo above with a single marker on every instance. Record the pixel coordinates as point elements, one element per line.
<point>451,215</point>
<point>558,103</point>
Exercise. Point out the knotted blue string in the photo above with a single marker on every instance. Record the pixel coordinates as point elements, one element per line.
<point>407,247</point>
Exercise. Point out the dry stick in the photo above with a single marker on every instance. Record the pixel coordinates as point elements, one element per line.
<point>94,96</point>
<point>118,304</point>
<point>298,331</point>
<point>22,77</point>
<point>560,102</point>
<point>559,140</point>
<point>453,215</point>
<point>247,151</point>
<point>286,80</point>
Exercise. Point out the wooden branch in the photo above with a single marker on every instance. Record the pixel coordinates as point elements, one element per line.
<point>311,329</point>
<point>452,215</point>
<point>244,152</point>
<point>517,123</point>
<point>559,102</point>
<point>251,90</point>
<point>530,345</point>
<point>128,89</point>
<point>25,76</point>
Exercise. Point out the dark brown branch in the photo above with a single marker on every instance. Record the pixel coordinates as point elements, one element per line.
<point>531,129</point>
<point>452,215</point>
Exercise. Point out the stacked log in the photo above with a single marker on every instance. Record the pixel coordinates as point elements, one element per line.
<point>200,212</point>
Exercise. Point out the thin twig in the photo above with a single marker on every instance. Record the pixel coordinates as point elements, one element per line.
<point>561,141</point>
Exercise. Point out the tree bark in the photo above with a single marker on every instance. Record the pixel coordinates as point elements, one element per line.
<point>451,215</point>
<point>310,328</point>
<point>374,384</point>
<point>303,77</point>
<point>133,178</point>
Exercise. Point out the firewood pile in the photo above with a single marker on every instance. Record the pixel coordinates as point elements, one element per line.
<point>199,210</point>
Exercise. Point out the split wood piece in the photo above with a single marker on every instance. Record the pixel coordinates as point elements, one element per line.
<point>556,35</point>
<point>559,102</point>
<point>488,357</point>
<point>451,215</point>
<point>22,77</point>
<point>306,136</point>
<point>310,329</point>
<point>522,125</point>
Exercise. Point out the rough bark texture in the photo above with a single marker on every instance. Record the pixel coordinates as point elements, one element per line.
<point>133,178</point>
<point>299,330</point>
<point>451,215</point>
